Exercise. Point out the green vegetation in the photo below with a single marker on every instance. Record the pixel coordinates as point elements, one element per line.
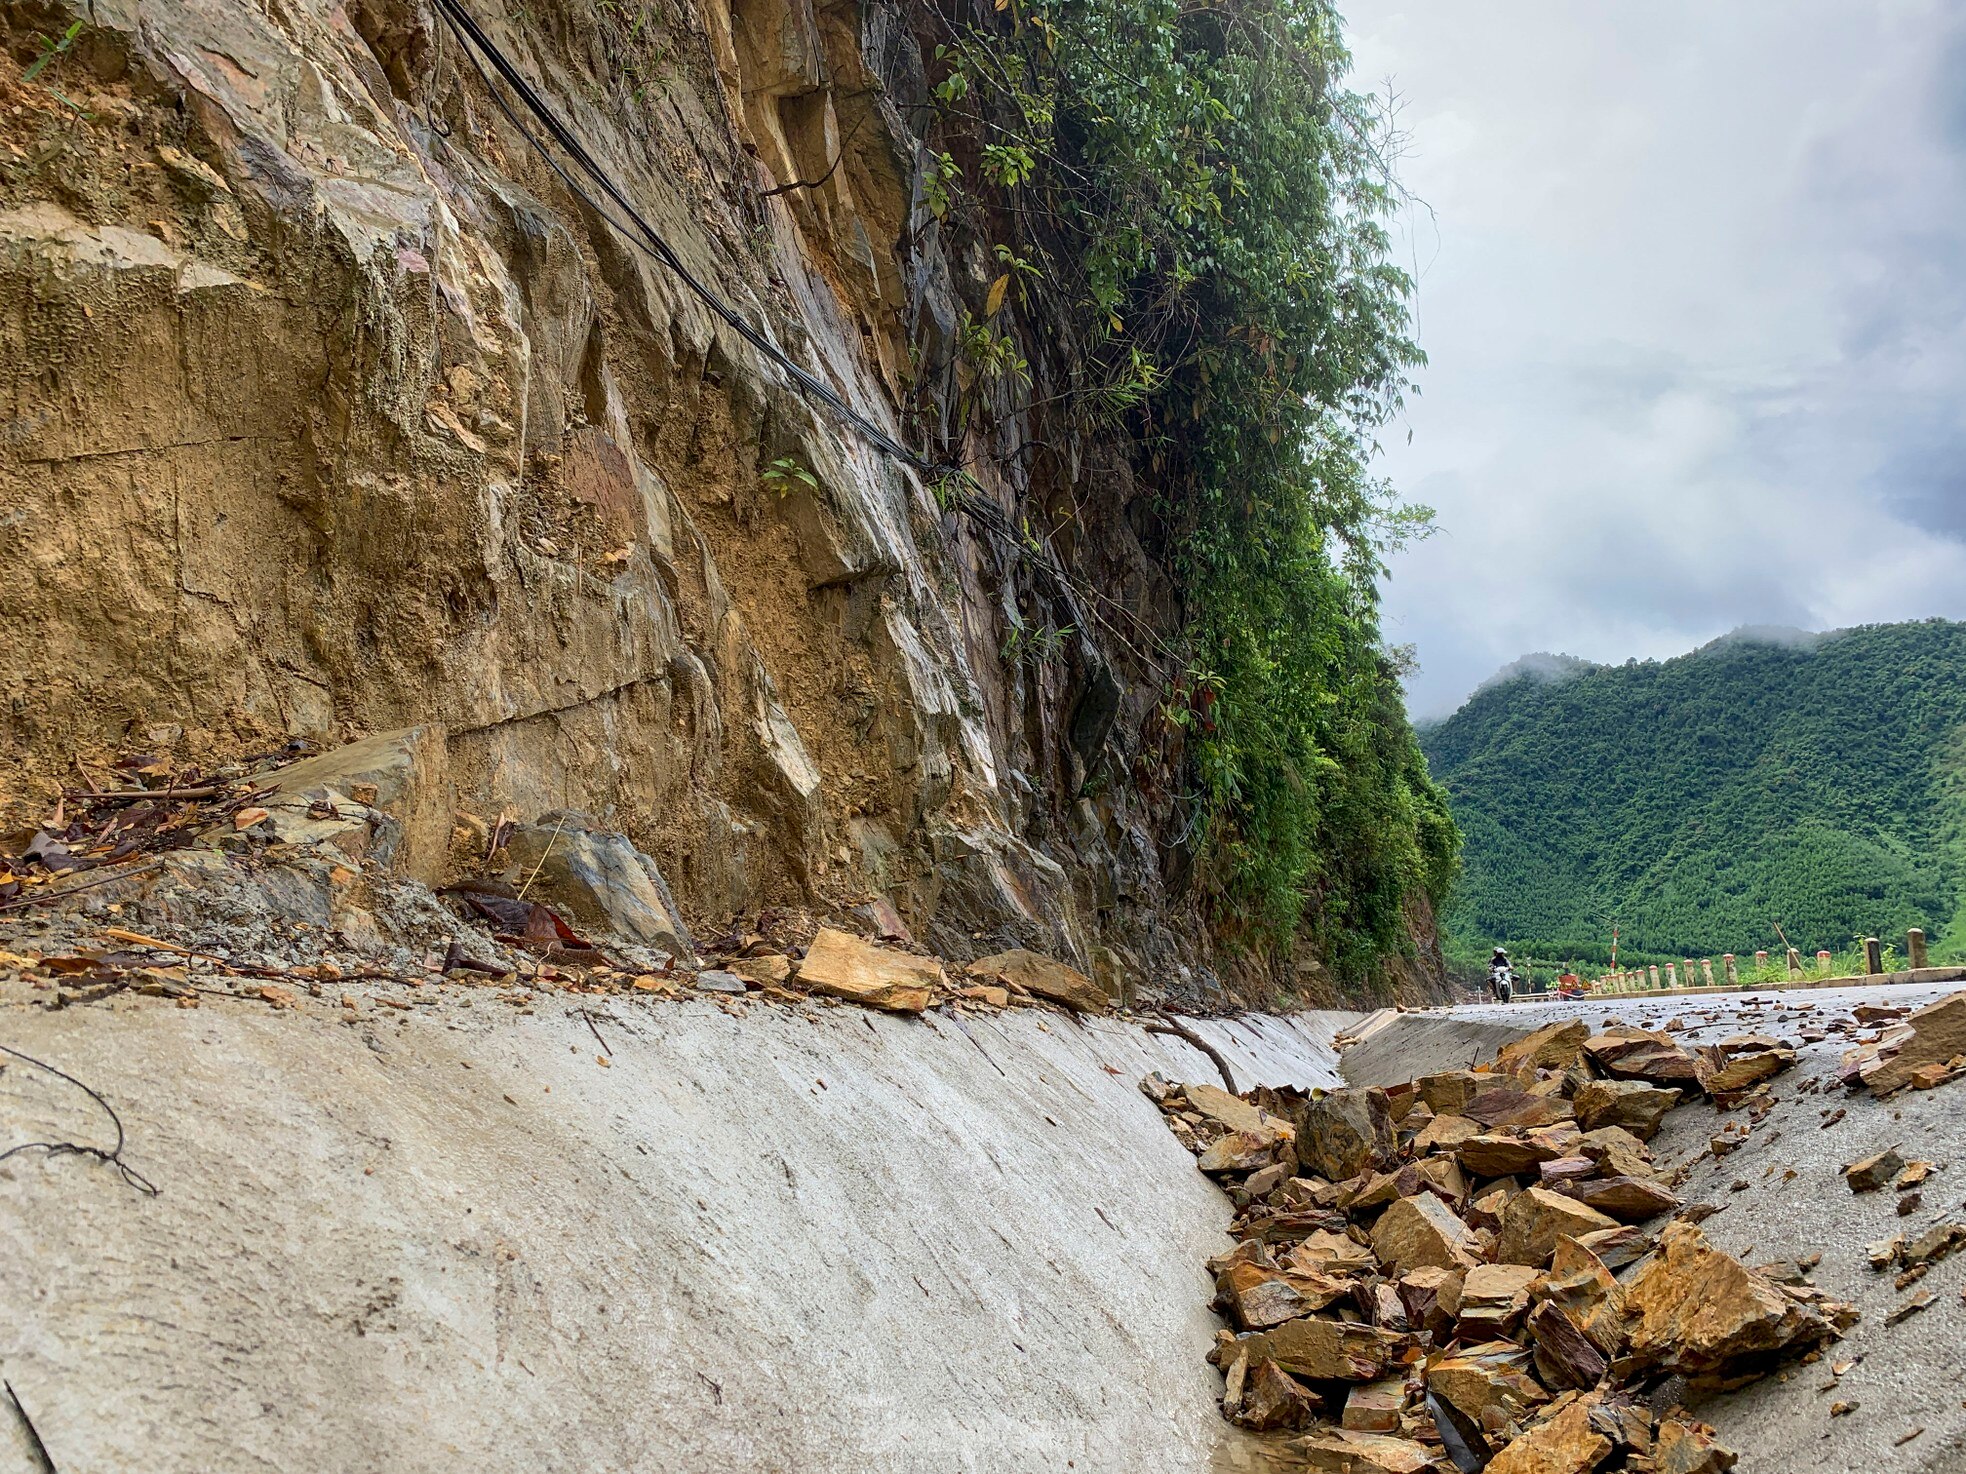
<point>1199,196</point>
<point>1702,802</point>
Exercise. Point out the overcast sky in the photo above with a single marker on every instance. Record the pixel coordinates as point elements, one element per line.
<point>1693,287</point>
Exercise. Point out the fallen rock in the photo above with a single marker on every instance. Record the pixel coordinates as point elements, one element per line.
<point>1374,1407</point>
<point>1447,1092</point>
<point>1617,1152</point>
<point>843,966</point>
<point>1631,1104</point>
<point>1043,977</point>
<point>1702,1313</point>
<point>1680,1447</point>
<point>1345,1132</point>
<point>1432,1297</point>
<point>1515,1153</point>
<point>1341,1451</point>
<point>1934,1035</point>
<point>1731,1068</point>
<point>1267,1399</point>
<point>389,795</point>
<point>1536,1218</point>
<point>1639,1054</point>
<point>1627,1199</point>
<point>1422,1231</point>
<point>1260,1298</point>
<point>1505,1105</point>
<point>1234,1112</point>
<point>1618,1247</point>
<point>1328,1252</point>
<point>1563,1443</point>
<point>1238,1151</point>
<point>1489,1384</point>
<point>1873,1172</point>
<point>1327,1350</point>
<point>1444,1133</point>
<point>1590,1294</point>
<point>1555,1046</point>
<point>1494,1298</point>
<point>769,970</point>
<point>598,878</point>
<point>1564,1355</point>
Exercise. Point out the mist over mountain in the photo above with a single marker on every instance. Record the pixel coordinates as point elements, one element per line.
<point>1772,778</point>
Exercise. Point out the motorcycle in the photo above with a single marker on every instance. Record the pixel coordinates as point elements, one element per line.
<point>1501,982</point>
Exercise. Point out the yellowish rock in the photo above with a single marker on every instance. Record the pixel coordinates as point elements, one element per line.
<point>1535,1218</point>
<point>1043,977</point>
<point>1420,1231</point>
<point>843,966</point>
<point>1563,1443</point>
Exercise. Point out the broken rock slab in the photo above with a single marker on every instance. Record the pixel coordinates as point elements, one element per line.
<point>1327,1350</point>
<point>843,966</point>
<point>1342,1451</point>
<point>1702,1313</point>
<point>1933,1036</point>
<point>1565,1442</point>
<point>1489,1383</point>
<point>1536,1218</point>
<point>596,877</point>
<point>1494,1298</point>
<point>1631,1104</point>
<point>1042,977</point>
<point>1626,1053</point>
<point>1422,1232</point>
<point>389,797</point>
<point>1553,1047</point>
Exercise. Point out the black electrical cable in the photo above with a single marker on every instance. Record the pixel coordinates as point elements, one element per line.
<point>982,512</point>
<point>113,1155</point>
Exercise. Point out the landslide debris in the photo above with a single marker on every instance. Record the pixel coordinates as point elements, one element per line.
<point>1475,1270</point>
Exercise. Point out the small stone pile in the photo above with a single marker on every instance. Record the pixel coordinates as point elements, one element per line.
<point>1456,1274</point>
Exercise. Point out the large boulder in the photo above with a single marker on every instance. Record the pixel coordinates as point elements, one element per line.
<point>1327,1350</point>
<point>596,878</point>
<point>1345,1132</point>
<point>1626,1053</point>
<point>1536,1218</point>
<point>1702,1313</point>
<point>1553,1047</point>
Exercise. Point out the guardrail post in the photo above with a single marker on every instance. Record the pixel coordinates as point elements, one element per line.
<point>1733,973</point>
<point>1795,963</point>
<point>1873,956</point>
<point>1760,964</point>
<point>1706,970</point>
<point>1824,963</point>
<point>1915,947</point>
<point>1655,974</point>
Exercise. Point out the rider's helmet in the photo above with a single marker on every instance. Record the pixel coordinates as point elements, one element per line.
<point>1500,955</point>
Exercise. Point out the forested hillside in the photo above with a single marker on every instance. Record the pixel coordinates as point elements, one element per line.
<point>1818,784</point>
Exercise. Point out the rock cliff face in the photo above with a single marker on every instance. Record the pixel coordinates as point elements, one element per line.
<point>329,409</point>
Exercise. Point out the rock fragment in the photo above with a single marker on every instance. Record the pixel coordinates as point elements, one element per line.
<point>1345,1132</point>
<point>1420,1232</point>
<point>1536,1218</point>
<point>1566,1442</point>
<point>1631,1104</point>
<point>1327,1350</point>
<point>1872,1173</point>
<point>843,966</point>
<point>1042,977</point>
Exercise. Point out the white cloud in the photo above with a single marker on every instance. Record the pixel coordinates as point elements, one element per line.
<point>1693,286</point>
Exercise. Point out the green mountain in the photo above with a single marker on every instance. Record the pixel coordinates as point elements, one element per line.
<point>1815,782</point>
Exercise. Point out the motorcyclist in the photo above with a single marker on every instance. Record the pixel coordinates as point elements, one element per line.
<point>1501,977</point>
